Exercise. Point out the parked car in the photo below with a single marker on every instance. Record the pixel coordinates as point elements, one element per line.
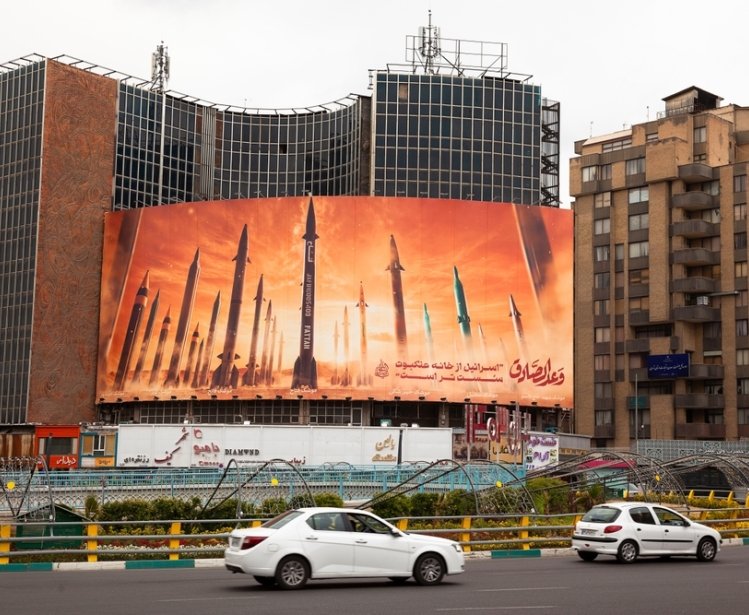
<point>326,543</point>
<point>631,529</point>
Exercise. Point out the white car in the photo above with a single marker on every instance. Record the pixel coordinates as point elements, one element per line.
<point>631,529</point>
<point>327,543</point>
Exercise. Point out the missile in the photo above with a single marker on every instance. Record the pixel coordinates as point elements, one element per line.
<point>249,375</point>
<point>464,320</point>
<point>208,353</point>
<point>334,378</point>
<point>428,334</point>
<point>146,339</point>
<point>191,356</point>
<point>346,377</point>
<point>280,353</point>
<point>517,324</point>
<point>269,373</point>
<point>185,314</point>
<point>304,375</point>
<point>266,335</point>
<point>226,374</point>
<point>133,326</point>
<point>395,268</point>
<point>157,358</point>
<point>198,362</point>
<point>364,378</point>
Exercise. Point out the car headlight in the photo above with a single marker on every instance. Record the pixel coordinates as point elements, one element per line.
<point>457,547</point>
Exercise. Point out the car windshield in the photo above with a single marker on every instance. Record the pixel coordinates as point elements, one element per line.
<point>601,514</point>
<point>282,519</point>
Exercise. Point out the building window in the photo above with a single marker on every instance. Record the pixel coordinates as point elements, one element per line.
<point>590,174</point>
<point>639,222</point>
<point>602,254</point>
<point>604,171</point>
<point>739,269</point>
<point>742,386</point>
<point>602,199</point>
<point>601,307</point>
<point>739,212</point>
<point>712,187</point>
<point>638,249</point>
<point>638,195</point>
<point>700,157</point>
<point>739,241</point>
<point>603,335</point>
<point>635,166</point>
<point>742,298</point>
<point>639,276</point>
<point>739,183</point>
<point>742,356</point>
<point>651,136</point>
<point>700,134</point>
<point>639,304</point>
<point>613,146</point>
<point>742,327</point>
<point>602,226</point>
<point>743,416</point>
<point>603,390</point>
<point>602,280</point>
<point>602,362</point>
<point>619,252</point>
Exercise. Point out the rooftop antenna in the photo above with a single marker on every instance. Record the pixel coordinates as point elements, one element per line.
<point>430,45</point>
<point>160,68</point>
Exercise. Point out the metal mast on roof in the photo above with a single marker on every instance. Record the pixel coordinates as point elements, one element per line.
<point>160,68</point>
<point>430,45</point>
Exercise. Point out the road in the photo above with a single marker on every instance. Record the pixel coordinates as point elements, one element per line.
<point>559,585</point>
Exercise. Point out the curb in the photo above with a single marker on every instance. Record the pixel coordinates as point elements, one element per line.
<point>219,562</point>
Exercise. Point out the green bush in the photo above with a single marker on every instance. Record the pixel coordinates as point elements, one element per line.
<point>392,506</point>
<point>550,495</point>
<point>457,503</point>
<point>329,499</point>
<point>424,504</point>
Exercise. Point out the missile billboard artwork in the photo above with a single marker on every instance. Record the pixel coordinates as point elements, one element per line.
<point>338,297</point>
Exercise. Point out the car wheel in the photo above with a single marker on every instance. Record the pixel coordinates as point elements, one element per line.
<point>429,569</point>
<point>706,550</point>
<point>398,580</point>
<point>627,552</point>
<point>587,556</point>
<point>292,572</point>
<point>266,581</point>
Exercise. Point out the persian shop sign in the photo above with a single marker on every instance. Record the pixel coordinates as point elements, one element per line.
<point>344,297</point>
<point>668,366</point>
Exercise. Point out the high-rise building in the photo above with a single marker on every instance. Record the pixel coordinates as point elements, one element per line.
<point>661,296</point>
<point>78,140</point>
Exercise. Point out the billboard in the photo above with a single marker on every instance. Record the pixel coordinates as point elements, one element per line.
<point>340,298</point>
<point>212,446</point>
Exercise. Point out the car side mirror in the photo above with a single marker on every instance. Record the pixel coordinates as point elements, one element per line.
<point>396,532</point>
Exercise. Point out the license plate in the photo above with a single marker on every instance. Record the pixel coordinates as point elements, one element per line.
<point>587,532</point>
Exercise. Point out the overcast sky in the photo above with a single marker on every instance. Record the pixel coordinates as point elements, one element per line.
<point>609,64</point>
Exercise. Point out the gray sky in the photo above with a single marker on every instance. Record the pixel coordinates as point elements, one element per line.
<point>609,64</point>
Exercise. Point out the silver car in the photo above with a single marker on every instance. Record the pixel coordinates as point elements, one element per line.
<point>632,529</point>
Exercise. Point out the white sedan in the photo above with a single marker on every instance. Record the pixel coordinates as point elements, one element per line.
<point>631,529</point>
<point>327,543</point>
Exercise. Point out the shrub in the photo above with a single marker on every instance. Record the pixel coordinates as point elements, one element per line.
<point>328,499</point>
<point>424,504</point>
<point>457,503</point>
<point>392,506</point>
<point>550,495</point>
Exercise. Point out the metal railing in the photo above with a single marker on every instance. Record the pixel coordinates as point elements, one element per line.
<point>175,539</point>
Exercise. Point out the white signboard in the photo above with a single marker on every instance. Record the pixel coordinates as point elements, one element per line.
<point>541,450</point>
<point>212,446</point>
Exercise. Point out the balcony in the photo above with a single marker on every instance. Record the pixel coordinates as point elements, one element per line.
<point>696,200</point>
<point>699,371</point>
<point>695,284</point>
<point>696,257</point>
<point>696,313</point>
<point>695,173</point>
<point>639,317</point>
<point>695,229</point>
<point>700,431</point>
<point>699,401</point>
<point>638,345</point>
<point>604,431</point>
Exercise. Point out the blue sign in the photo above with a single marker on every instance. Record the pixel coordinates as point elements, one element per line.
<point>668,366</point>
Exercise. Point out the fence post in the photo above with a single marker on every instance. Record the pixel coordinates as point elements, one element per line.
<point>92,531</point>
<point>176,528</point>
<point>402,524</point>
<point>523,534</point>
<point>466,536</point>
<point>4,544</point>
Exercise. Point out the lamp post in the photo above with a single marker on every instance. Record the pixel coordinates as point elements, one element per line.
<point>637,419</point>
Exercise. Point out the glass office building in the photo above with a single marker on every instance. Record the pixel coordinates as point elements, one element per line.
<point>472,135</point>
